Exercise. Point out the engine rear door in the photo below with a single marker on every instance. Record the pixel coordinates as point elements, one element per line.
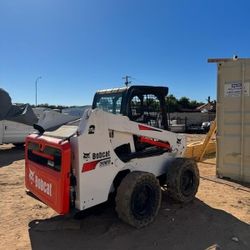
<point>47,171</point>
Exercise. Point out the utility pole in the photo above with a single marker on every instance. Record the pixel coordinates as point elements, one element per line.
<point>37,79</point>
<point>127,82</point>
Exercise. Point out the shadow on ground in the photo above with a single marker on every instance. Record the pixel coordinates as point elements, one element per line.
<point>193,226</point>
<point>10,154</point>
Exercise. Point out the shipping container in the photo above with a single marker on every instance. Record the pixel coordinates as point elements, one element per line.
<point>233,118</point>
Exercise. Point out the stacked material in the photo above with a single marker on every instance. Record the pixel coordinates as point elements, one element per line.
<point>16,121</point>
<point>22,114</point>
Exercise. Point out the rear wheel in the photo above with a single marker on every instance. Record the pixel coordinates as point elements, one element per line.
<point>183,180</point>
<point>138,199</point>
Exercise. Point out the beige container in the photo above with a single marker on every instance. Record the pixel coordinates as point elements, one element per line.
<point>233,118</point>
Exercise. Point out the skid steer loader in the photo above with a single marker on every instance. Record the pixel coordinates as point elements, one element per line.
<point>122,147</point>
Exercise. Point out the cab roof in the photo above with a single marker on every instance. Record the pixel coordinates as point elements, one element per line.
<point>147,89</point>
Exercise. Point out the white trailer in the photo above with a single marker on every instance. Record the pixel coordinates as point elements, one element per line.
<point>16,121</point>
<point>14,132</point>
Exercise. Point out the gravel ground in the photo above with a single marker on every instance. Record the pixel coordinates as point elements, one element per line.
<point>219,218</point>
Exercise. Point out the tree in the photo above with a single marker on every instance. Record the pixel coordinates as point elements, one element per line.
<point>194,104</point>
<point>172,103</point>
<point>184,102</point>
<point>175,105</point>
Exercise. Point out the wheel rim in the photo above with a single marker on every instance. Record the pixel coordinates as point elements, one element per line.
<point>143,201</point>
<point>187,182</point>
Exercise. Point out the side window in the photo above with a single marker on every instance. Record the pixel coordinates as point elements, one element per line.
<point>105,103</point>
<point>111,104</point>
<point>118,105</point>
<point>136,108</point>
<point>146,109</point>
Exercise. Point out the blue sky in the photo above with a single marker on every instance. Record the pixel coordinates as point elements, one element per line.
<point>81,46</point>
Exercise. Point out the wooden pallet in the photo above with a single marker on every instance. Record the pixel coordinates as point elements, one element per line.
<point>197,150</point>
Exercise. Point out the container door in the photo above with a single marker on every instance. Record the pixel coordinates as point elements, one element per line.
<point>233,120</point>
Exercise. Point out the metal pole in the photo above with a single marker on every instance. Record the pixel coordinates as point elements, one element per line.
<point>38,78</point>
<point>127,82</point>
<point>36,92</point>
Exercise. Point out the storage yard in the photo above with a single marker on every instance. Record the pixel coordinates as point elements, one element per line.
<point>125,125</point>
<point>218,218</point>
<point>215,217</point>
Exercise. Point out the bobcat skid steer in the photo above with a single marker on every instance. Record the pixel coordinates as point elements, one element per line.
<point>121,146</point>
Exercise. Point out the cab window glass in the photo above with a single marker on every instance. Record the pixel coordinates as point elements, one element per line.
<point>110,103</point>
<point>146,109</point>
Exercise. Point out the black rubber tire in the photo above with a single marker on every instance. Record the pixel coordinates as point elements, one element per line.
<point>138,199</point>
<point>183,179</point>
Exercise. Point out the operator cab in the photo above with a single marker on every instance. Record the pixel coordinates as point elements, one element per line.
<point>142,104</point>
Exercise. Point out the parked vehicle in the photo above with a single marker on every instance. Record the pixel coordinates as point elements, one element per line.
<point>14,132</point>
<point>121,146</point>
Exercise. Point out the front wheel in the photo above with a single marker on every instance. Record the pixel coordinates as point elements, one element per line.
<point>138,199</point>
<point>183,179</point>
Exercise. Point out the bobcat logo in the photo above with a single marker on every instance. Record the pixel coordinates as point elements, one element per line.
<point>86,156</point>
<point>179,141</point>
<point>32,175</point>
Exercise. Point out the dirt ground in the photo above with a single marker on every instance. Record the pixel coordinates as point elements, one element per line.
<point>219,218</point>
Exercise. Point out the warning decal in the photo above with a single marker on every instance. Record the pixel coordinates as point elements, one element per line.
<point>234,89</point>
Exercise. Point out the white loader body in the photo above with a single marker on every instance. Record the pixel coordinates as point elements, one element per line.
<point>99,133</point>
<point>121,147</point>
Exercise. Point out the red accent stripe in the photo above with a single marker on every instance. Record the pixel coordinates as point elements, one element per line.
<point>155,143</point>
<point>143,127</point>
<point>88,166</point>
<point>50,157</point>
